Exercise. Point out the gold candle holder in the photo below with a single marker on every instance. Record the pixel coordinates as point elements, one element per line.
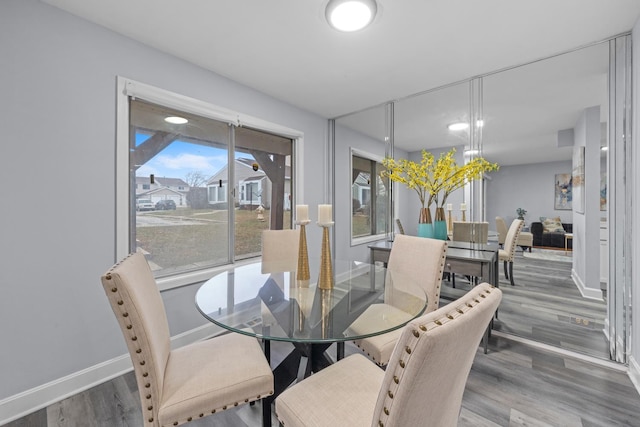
<point>464,216</point>
<point>325,281</point>
<point>303,254</point>
<point>449,222</point>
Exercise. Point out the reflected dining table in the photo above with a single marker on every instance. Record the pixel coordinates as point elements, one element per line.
<point>278,307</point>
<point>464,258</point>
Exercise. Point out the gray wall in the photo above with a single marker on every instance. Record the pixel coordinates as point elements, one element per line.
<point>586,231</point>
<point>525,186</point>
<point>58,112</point>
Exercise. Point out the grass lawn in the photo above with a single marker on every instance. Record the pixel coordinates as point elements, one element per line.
<point>203,240</point>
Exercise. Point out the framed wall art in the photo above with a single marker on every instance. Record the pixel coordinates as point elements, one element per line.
<point>577,178</point>
<point>563,192</point>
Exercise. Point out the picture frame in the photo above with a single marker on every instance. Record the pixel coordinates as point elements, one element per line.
<point>577,178</point>
<point>563,186</point>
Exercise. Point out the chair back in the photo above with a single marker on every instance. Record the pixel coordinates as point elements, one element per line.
<point>426,375</point>
<point>135,299</point>
<point>423,261</point>
<point>476,232</point>
<point>511,240</point>
<point>280,250</point>
<point>501,226</point>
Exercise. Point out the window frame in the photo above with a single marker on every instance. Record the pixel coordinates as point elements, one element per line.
<point>356,241</point>
<point>129,88</point>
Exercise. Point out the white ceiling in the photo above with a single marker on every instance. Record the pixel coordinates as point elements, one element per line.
<point>286,49</point>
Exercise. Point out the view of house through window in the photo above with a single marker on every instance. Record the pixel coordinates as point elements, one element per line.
<point>190,203</point>
<point>370,197</point>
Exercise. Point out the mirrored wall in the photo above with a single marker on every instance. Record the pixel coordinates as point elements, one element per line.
<point>546,124</point>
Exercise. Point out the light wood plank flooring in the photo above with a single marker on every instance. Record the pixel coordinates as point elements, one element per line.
<point>513,385</point>
<point>546,306</point>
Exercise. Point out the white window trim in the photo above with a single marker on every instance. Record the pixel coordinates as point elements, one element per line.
<point>357,241</point>
<point>126,88</point>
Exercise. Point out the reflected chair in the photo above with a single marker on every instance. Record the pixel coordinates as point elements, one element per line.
<point>476,232</point>
<point>501,227</point>
<point>525,239</point>
<point>421,261</point>
<point>422,385</point>
<point>473,232</point>
<point>508,252</point>
<point>190,382</point>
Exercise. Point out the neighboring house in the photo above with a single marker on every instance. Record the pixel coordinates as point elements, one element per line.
<point>162,189</point>
<point>361,190</point>
<point>253,187</point>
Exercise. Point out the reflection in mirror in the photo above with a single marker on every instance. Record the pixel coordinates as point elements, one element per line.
<point>427,122</point>
<point>369,196</point>
<point>538,120</point>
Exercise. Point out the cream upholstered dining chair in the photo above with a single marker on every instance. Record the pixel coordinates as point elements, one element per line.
<point>422,261</point>
<point>280,250</point>
<point>422,385</point>
<point>476,232</point>
<point>508,252</point>
<point>190,382</point>
<point>501,227</point>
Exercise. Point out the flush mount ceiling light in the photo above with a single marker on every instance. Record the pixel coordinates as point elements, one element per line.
<point>175,120</point>
<point>464,125</point>
<point>350,15</point>
<point>458,126</point>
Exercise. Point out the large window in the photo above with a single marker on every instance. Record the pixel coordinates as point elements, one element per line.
<point>213,185</point>
<point>369,196</point>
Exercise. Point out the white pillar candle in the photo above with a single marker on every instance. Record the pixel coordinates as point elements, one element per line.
<point>449,207</point>
<point>302,212</point>
<point>463,206</point>
<point>324,214</point>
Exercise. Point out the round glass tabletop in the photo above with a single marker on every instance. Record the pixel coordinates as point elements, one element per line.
<point>366,300</point>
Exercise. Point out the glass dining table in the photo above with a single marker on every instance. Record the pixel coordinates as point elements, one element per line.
<point>366,300</point>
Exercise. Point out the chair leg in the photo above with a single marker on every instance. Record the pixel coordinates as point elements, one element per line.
<point>453,280</point>
<point>266,413</point>
<point>506,274</point>
<point>511,273</point>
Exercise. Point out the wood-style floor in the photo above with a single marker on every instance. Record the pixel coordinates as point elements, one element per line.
<point>546,306</point>
<point>515,384</point>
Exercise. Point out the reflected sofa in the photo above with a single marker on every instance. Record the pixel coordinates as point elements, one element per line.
<point>553,239</point>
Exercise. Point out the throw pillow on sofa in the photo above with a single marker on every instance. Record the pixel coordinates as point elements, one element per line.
<point>552,225</point>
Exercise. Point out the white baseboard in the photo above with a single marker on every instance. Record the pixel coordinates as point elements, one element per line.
<point>29,401</point>
<point>634,372</point>
<point>588,293</point>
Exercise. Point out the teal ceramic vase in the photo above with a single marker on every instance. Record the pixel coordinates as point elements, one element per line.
<point>425,226</point>
<point>440,225</point>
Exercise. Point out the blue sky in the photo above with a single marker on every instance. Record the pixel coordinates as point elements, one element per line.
<point>180,158</point>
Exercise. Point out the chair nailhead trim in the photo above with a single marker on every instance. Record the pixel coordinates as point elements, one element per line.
<point>175,423</point>
<point>401,362</point>
<point>213,412</point>
<point>148,396</point>
<point>189,419</point>
<point>151,419</point>
<point>416,333</point>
